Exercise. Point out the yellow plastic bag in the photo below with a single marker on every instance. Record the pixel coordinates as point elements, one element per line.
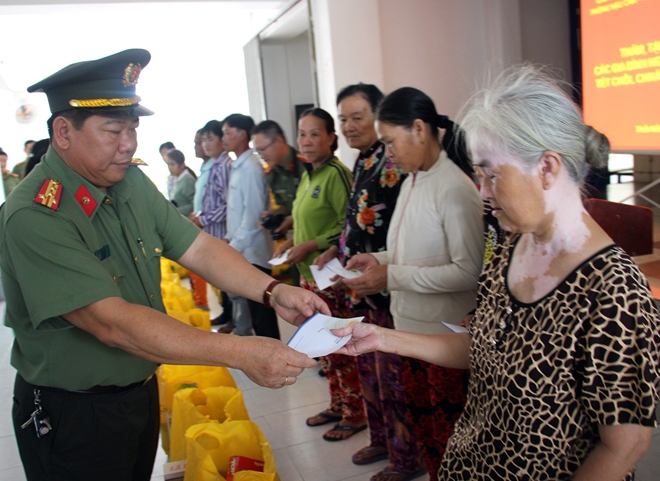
<point>172,377</point>
<point>210,446</point>
<point>177,297</point>
<point>178,315</point>
<point>200,318</point>
<point>168,272</point>
<point>197,406</point>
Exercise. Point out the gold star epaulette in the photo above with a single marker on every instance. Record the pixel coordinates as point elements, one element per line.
<point>49,194</point>
<point>137,161</point>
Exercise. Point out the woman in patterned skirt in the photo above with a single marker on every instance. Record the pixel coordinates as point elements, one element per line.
<point>319,211</point>
<point>376,185</point>
<point>433,258</point>
<point>563,348</point>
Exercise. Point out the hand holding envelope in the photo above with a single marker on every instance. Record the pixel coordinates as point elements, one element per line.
<point>332,268</point>
<point>314,338</point>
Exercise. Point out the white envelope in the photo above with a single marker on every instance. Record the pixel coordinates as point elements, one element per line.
<point>335,266</point>
<point>314,338</point>
<point>276,261</point>
<point>322,276</point>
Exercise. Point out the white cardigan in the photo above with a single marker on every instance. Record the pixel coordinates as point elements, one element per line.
<point>435,245</point>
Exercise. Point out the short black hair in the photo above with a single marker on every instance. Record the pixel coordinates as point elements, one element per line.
<point>327,120</point>
<point>76,116</point>
<point>39,149</point>
<point>371,94</point>
<point>212,126</point>
<point>270,129</point>
<point>240,122</point>
<point>25,144</point>
<point>166,145</point>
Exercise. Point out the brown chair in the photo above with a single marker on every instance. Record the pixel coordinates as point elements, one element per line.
<point>630,226</point>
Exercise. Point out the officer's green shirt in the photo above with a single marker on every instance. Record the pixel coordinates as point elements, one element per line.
<point>56,261</point>
<point>319,210</point>
<point>283,180</point>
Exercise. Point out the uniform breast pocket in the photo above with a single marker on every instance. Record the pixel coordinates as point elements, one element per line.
<point>114,269</point>
<point>153,249</point>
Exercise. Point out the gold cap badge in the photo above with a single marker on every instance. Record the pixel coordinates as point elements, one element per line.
<point>131,74</point>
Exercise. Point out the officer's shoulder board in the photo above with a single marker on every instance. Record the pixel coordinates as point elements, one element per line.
<point>137,161</point>
<point>49,194</point>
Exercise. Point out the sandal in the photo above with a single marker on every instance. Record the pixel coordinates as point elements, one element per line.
<point>369,455</point>
<point>343,429</point>
<point>326,418</point>
<point>386,475</point>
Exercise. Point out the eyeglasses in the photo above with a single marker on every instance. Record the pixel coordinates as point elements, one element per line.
<point>261,150</point>
<point>505,326</point>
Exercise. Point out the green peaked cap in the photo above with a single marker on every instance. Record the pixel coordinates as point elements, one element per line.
<point>106,85</point>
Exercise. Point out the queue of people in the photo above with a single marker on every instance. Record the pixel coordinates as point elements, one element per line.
<point>555,376</point>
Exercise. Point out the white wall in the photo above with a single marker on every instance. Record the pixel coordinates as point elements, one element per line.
<point>545,34</point>
<point>287,72</point>
<point>347,40</point>
<point>447,48</point>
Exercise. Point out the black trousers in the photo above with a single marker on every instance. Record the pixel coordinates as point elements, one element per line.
<point>227,314</point>
<point>264,319</point>
<point>100,437</point>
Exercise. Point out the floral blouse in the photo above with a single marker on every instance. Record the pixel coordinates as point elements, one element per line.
<point>376,187</point>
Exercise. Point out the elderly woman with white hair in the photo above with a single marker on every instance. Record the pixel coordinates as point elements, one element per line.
<point>563,349</point>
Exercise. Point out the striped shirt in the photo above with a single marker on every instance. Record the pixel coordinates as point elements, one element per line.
<point>214,202</point>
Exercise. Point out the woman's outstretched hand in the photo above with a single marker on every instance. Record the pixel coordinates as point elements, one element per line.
<point>366,338</point>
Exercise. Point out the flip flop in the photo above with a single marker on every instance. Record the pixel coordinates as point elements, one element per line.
<point>328,418</point>
<point>397,476</point>
<point>338,428</point>
<point>380,454</point>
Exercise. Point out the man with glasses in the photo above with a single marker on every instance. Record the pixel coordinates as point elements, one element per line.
<point>285,168</point>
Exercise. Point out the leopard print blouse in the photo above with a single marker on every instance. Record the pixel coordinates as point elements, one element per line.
<point>545,375</point>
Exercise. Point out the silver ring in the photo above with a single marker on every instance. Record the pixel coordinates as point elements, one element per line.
<point>286,380</point>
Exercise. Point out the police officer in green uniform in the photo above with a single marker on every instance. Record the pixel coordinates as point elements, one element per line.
<point>80,246</point>
<point>285,169</point>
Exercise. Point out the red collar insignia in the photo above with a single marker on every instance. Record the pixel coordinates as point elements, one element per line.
<point>49,194</point>
<point>85,200</point>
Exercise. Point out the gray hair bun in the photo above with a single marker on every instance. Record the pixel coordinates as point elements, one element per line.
<point>596,146</point>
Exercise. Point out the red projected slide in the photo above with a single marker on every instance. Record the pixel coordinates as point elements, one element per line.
<point>621,71</point>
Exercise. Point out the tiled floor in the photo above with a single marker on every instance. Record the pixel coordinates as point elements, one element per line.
<point>300,453</point>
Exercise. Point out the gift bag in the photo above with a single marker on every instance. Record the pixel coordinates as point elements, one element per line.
<point>171,378</point>
<point>197,406</point>
<point>177,297</point>
<point>168,272</point>
<point>209,447</point>
<point>200,318</point>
